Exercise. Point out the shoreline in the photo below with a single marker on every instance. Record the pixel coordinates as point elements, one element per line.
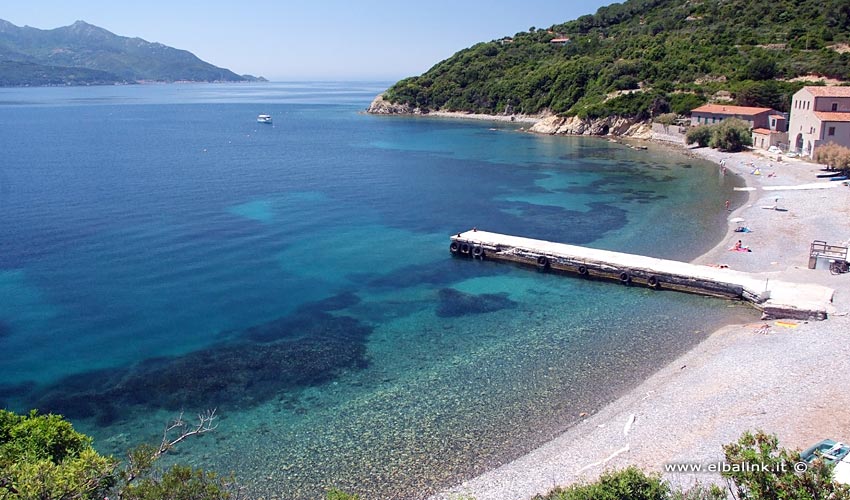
<point>526,119</point>
<point>733,381</point>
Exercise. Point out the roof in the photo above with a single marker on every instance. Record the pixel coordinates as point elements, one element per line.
<point>829,91</point>
<point>559,40</point>
<point>722,109</point>
<point>777,116</point>
<point>762,131</point>
<point>832,116</point>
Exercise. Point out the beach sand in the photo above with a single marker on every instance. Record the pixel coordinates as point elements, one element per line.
<point>790,381</point>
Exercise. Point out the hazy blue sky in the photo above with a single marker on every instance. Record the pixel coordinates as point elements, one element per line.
<point>297,40</point>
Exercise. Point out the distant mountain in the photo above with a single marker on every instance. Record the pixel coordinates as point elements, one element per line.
<point>83,54</point>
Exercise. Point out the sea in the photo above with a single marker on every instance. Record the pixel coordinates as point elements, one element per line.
<point>162,254</point>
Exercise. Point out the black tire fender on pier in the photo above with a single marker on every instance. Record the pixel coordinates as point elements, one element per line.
<point>582,270</point>
<point>454,247</point>
<point>478,252</point>
<point>465,248</point>
<point>654,282</point>
<point>625,278</point>
<point>542,262</point>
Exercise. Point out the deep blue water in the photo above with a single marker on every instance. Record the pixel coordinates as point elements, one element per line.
<point>160,250</point>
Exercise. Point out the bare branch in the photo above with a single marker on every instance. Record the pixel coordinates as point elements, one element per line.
<point>206,423</point>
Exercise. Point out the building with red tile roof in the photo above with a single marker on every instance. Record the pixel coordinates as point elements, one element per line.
<point>819,115</point>
<point>768,125</point>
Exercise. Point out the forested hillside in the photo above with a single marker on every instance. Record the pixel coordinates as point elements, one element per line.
<point>643,57</point>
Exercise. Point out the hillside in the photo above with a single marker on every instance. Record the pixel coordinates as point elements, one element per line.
<point>643,57</point>
<point>86,54</point>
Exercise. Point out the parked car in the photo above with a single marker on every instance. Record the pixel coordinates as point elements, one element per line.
<point>774,149</point>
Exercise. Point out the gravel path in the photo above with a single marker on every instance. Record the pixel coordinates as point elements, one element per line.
<point>789,381</point>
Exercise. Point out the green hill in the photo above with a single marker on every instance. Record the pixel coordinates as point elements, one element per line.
<point>83,54</point>
<point>644,57</point>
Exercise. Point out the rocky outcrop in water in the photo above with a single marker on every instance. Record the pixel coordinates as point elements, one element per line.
<point>612,125</point>
<point>380,106</point>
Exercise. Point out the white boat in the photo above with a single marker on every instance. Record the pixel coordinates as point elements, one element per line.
<point>264,118</point>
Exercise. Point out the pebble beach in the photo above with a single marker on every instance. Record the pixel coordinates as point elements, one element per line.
<point>788,378</point>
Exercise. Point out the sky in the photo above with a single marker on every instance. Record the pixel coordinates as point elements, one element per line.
<point>286,40</point>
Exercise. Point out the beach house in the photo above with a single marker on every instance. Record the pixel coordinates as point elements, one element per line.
<point>819,115</point>
<point>774,135</point>
<point>708,114</point>
<point>769,127</point>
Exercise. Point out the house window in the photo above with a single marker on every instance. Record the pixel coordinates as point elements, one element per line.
<point>831,131</point>
<point>835,106</point>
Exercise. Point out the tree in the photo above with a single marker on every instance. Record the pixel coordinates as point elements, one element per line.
<point>833,156</point>
<point>682,103</point>
<point>760,69</point>
<point>701,135</point>
<point>731,135</point>
<point>760,470</point>
<point>43,457</point>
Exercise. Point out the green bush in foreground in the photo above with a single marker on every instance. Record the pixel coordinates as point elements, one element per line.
<point>759,470</point>
<point>335,494</point>
<point>777,477</point>
<point>42,457</point>
<point>630,483</point>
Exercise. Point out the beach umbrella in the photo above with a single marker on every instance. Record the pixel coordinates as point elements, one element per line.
<point>737,220</point>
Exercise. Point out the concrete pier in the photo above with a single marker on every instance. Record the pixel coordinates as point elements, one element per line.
<point>775,298</point>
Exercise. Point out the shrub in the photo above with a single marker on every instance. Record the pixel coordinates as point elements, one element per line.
<point>42,456</point>
<point>630,483</point>
<point>731,135</point>
<point>178,482</point>
<point>683,102</point>
<point>701,135</point>
<point>775,475</point>
<point>833,156</point>
<point>335,494</point>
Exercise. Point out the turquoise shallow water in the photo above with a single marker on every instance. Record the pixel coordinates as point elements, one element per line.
<point>160,250</point>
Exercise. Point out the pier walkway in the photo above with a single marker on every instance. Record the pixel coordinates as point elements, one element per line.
<point>776,298</point>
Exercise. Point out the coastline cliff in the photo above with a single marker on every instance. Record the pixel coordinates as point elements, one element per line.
<point>544,123</point>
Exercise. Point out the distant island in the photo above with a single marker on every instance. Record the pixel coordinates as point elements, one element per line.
<point>641,58</point>
<point>84,54</point>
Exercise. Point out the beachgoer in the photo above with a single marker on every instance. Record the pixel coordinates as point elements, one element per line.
<point>738,245</point>
<point>727,204</point>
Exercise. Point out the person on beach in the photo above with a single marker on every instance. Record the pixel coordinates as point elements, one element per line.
<point>738,246</point>
<point>727,206</point>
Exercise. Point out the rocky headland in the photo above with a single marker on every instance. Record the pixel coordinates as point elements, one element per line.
<point>611,125</point>
<point>545,123</point>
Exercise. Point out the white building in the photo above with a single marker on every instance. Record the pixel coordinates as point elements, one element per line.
<point>819,115</point>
